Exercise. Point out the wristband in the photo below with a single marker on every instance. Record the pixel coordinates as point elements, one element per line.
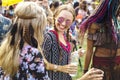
<point>55,68</point>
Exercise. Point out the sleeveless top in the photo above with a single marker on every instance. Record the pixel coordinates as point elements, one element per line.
<point>103,38</point>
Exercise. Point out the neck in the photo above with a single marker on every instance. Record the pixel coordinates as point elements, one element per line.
<point>60,33</point>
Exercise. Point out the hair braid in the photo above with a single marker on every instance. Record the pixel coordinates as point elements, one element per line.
<point>26,35</point>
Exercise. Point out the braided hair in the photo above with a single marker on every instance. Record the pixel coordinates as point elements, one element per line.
<point>57,11</point>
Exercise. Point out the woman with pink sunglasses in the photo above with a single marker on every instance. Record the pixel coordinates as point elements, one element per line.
<point>57,49</point>
<point>56,45</point>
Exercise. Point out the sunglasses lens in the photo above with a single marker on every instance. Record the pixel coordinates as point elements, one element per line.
<point>68,22</point>
<point>60,19</point>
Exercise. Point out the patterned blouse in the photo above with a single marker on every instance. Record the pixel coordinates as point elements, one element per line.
<point>31,66</point>
<point>5,24</point>
<point>56,53</point>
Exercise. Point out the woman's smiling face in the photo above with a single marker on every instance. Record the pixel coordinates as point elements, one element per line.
<point>63,20</point>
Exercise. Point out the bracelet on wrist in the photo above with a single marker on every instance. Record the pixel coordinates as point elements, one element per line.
<point>55,68</point>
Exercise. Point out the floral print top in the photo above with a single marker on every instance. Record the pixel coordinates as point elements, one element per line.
<point>31,66</point>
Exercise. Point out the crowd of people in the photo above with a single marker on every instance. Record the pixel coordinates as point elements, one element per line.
<point>37,39</point>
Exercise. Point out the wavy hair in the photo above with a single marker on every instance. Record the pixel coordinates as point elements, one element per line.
<point>28,27</point>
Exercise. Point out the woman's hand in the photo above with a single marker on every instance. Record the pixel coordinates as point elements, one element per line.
<point>70,68</point>
<point>93,74</point>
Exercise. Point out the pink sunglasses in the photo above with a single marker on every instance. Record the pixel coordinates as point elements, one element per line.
<point>62,19</point>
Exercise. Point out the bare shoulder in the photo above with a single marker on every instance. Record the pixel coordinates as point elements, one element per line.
<point>93,28</point>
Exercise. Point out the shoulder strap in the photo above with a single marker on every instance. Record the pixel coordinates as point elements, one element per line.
<point>45,60</point>
<point>50,36</point>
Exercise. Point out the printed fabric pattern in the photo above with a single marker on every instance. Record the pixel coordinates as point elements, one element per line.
<point>52,54</point>
<point>31,66</point>
<point>5,24</point>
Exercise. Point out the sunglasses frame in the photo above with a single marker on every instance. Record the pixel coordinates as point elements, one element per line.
<point>62,19</point>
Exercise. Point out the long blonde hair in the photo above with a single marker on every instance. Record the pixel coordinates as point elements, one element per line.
<point>29,25</point>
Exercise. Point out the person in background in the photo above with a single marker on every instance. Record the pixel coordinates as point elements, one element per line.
<point>82,10</point>
<point>103,40</point>
<point>1,8</point>
<point>90,8</point>
<point>45,5</point>
<point>20,52</point>
<point>76,4</point>
<point>81,13</point>
<point>57,48</point>
<point>11,12</point>
<point>5,24</point>
<point>54,5</point>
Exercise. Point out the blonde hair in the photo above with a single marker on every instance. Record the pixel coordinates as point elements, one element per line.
<point>30,22</point>
<point>65,7</point>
